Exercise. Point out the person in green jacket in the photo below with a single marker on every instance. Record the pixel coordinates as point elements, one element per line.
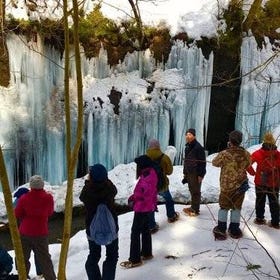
<point>154,152</point>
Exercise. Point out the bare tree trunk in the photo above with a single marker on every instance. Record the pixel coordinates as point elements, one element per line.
<point>4,57</point>
<point>72,156</point>
<point>12,219</point>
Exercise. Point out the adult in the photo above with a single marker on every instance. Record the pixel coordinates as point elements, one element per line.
<point>267,180</point>
<point>99,189</point>
<point>154,152</point>
<point>233,183</point>
<point>17,195</point>
<point>144,201</point>
<point>33,210</point>
<point>194,171</point>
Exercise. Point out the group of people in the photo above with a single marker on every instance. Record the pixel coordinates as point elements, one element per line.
<point>33,207</point>
<point>234,162</point>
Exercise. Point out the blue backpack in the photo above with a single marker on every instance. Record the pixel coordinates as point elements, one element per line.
<point>102,228</point>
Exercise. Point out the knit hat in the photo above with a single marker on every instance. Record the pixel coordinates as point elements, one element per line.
<point>143,162</point>
<point>36,182</point>
<point>98,173</point>
<point>235,137</point>
<point>269,139</point>
<point>191,130</point>
<point>20,192</point>
<point>153,143</point>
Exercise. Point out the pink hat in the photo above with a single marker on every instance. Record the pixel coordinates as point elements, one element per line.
<point>153,143</point>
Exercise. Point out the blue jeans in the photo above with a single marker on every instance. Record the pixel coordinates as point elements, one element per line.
<point>109,265</point>
<point>169,204</point>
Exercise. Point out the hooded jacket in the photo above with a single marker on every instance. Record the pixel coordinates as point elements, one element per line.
<point>33,210</point>
<point>95,193</point>
<point>267,172</point>
<point>165,164</point>
<point>145,192</point>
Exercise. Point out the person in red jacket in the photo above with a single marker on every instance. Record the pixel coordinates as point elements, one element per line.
<point>33,211</point>
<point>267,180</point>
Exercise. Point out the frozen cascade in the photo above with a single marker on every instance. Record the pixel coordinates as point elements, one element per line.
<point>32,108</point>
<point>258,107</point>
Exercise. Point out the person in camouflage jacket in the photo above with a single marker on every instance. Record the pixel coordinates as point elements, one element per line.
<point>233,184</point>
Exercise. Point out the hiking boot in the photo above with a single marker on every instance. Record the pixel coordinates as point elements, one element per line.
<point>235,234</point>
<point>219,234</point>
<point>259,221</point>
<point>273,225</point>
<point>174,218</point>
<point>146,258</point>
<point>190,212</point>
<point>129,264</point>
<point>154,229</point>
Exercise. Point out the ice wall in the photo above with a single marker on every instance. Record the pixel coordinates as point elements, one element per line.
<point>258,108</point>
<point>153,103</point>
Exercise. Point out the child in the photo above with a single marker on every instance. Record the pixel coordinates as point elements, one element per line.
<point>144,202</point>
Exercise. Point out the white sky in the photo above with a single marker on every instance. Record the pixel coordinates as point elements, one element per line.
<point>196,17</point>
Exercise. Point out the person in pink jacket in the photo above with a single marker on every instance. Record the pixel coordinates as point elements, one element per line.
<point>33,211</point>
<point>144,200</point>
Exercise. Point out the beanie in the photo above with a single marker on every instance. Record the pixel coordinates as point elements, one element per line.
<point>269,139</point>
<point>153,143</point>
<point>20,192</point>
<point>98,173</point>
<point>191,130</point>
<point>235,137</point>
<point>143,162</point>
<point>36,182</point>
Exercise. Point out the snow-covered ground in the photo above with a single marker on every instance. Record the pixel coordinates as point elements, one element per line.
<point>185,249</point>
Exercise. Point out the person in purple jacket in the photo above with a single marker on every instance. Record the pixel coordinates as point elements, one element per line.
<point>144,201</point>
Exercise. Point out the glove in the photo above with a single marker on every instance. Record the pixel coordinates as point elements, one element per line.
<point>244,187</point>
<point>185,180</point>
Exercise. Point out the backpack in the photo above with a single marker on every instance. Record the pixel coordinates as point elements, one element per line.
<point>102,228</point>
<point>160,174</point>
<point>269,171</point>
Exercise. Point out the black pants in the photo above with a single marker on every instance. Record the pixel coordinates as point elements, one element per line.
<point>273,198</point>
<point>140,227</point>
<point>109,264</point>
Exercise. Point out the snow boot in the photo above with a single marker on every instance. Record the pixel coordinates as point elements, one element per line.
<point>234,231</point>
<point>219,231</point>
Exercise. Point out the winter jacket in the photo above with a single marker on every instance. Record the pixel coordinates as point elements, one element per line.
<point>195,159</point>
<point>145,192</point>
<point>267,172</point>
<point>165,164</point>
<point>95,193</point>
<point>33,210</point>
<point>233,162</point>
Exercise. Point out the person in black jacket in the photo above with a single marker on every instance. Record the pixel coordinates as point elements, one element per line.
<point>194,171</point>
<point>99,189</point>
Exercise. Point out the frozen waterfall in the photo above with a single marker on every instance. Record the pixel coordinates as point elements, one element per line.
<point>163,105</point>
<point>259,103</point>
